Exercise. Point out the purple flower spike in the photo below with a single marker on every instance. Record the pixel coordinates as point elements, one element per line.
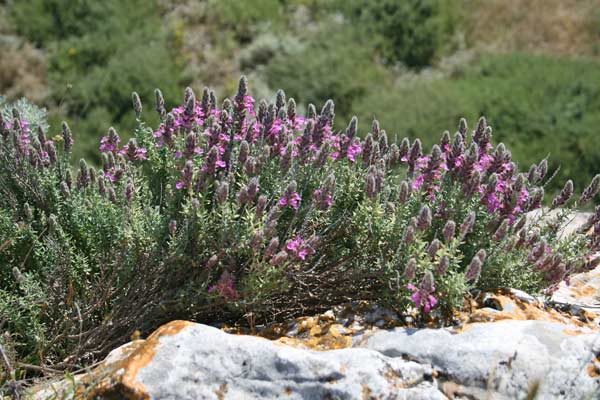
<point>133,152</point>
<point>411,269</point>
<point>290,198</point>
<point>187,174</point>
<point>110,143</point>
<point>473,270</point>
<point>213,161</point>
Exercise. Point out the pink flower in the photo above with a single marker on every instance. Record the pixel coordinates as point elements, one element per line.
<point>422,162</point>
<point>299,248</point>
<point>292,200</point>
<point>345,147</point>
<point>299,122</point>
<point>213,160</point>
<point>109,144</point>
<point>113,174</point>
<point>141,153</point>
<point>276,128</point>
<point>133,152</point>
<point>421,298</point>
<point>187,121</point>
<point>249,105</point>
<point>418,182</point>
<point>353,150</point>
<point>484,162</point>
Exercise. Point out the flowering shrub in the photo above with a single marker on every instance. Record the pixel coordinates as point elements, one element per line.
<point>250,209</point>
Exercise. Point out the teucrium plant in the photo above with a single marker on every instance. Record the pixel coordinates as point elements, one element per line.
<point>251,207</point>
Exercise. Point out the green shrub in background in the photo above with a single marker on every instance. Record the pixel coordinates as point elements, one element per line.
<point>410,32</point>
<point>250,209</point>
<point>246,21</point>
<point>307,74</point>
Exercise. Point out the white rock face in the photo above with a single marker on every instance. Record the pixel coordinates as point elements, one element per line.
<point>499,360</point>
<point>506,358</point>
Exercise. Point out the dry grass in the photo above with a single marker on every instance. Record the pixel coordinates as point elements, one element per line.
<point>558,27</point>
<point>22,70</point>
<point>22,67</point>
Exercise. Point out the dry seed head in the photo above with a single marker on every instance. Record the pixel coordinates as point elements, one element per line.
<point>137,104</point>
<point>424,218</point>
<point>467,226</point>
<point>428,283</point>
<point>591,191</point>
<point>564,196</point>
<point>449,230</point>
<point>404,147</point>
<point>410,270</point>
<point>433,248</point>
<point>279,258</point>
<point>443,265</point>
<point>160,103</point>
<point>67,137</point>
<point>473,270</point>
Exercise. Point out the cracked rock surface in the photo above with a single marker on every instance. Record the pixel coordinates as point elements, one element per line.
<point>501,360</point>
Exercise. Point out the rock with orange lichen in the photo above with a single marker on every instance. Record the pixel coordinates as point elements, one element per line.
<point>582,292</point>
<point>496,360</point>
<point>202,362</point>
<point>506,304</point>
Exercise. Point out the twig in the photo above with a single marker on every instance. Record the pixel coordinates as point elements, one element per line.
<point>5,245</point>
<point>38,368</point>
<point>6,363</point>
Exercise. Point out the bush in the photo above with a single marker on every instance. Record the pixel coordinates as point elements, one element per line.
<point>306,74</point>
<point>411,32</point>
<point>221,213</point>
<point>245,21</point>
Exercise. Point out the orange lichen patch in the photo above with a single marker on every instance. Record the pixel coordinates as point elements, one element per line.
<point>593,370</point>
<point>574,332</point>
<point>506,306</point>
<point>367,394</point>
<point>320,332</point>
<point>580,290</point>
<point>119,378</point>
<point>326,337</point>
<point>395,380</point>
<point>335,329</point>
<point>221,391</point>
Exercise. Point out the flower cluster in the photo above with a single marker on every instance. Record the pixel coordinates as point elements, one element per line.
<point>300,248</point>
